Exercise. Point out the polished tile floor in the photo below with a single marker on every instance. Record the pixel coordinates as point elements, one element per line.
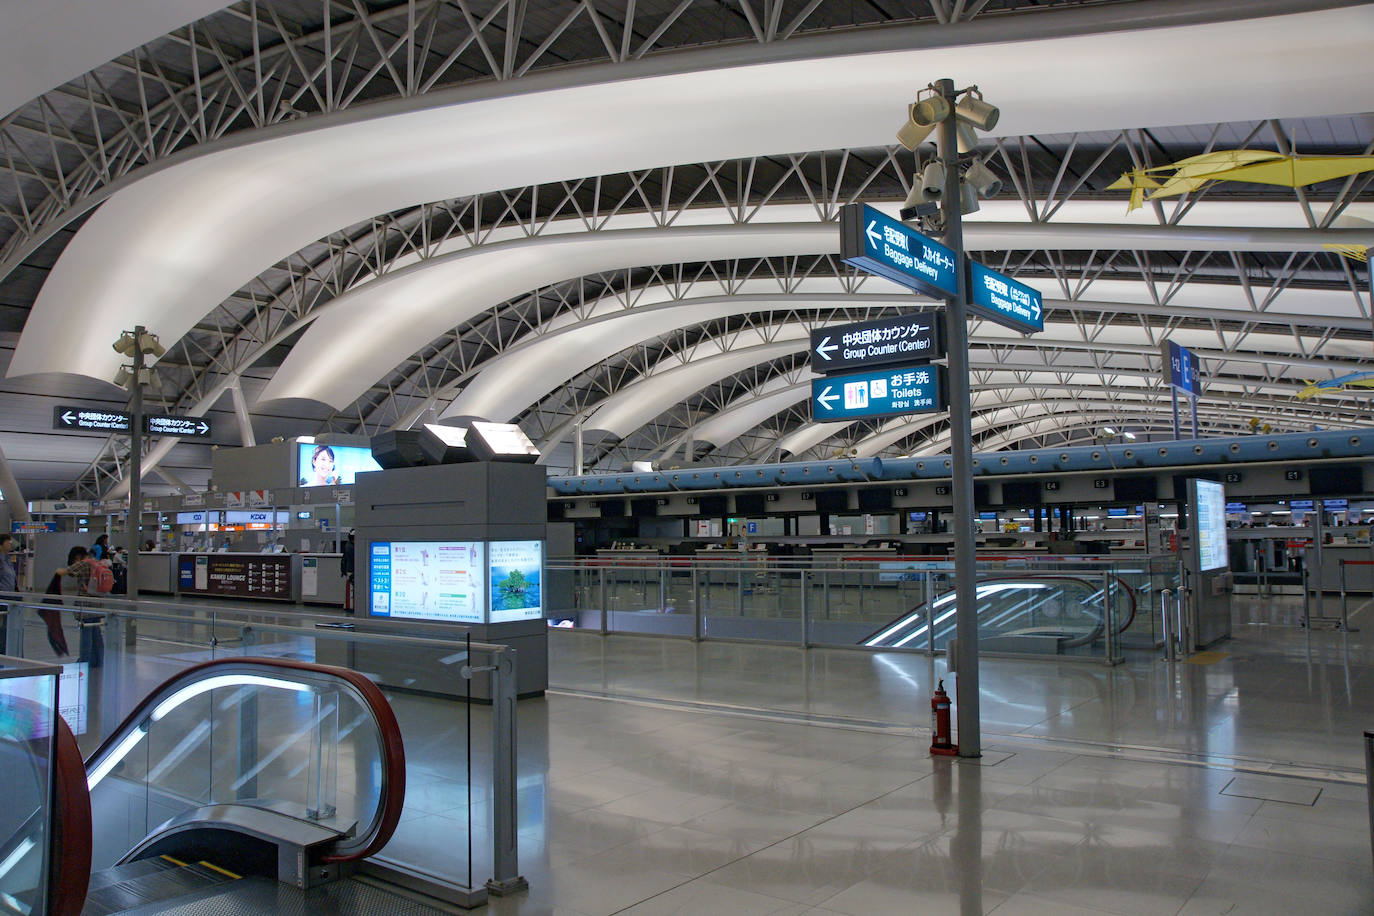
<point>719,778</point>
<point>661,776</point>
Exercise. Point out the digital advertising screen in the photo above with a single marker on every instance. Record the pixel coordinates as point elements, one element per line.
<point>517,572</point>
<point>438,581</point>
<point>331,465</point>
<point>1210,515</point>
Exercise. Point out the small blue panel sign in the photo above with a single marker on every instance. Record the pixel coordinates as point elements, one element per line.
<point>999,298</point>
<point>875,242</point>
<point>881,393</point>
<point>1180,369</point>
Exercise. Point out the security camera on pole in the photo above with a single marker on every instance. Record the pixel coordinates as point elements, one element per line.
<point>136,344</point>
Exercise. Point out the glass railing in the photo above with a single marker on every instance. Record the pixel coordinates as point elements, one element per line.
<point>303,746</point>
<point>28,725</point>
<point>1035,605</point>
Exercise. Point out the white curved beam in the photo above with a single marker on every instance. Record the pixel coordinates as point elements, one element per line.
<point>183,239</point>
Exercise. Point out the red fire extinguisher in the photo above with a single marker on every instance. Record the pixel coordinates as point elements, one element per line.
<point>940,724</point>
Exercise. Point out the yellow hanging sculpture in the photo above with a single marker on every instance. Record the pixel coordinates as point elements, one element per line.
<point>1255,166</point>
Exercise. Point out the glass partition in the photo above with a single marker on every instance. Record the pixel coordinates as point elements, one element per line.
<point>28,721</point>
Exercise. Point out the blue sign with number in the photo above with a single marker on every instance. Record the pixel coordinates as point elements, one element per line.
<point>999,298</point>
<point>873,241</point>
<point>1180,369</point>
<point>883,393</point>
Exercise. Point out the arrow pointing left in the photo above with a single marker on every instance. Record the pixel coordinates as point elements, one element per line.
<point>825,348</point>
<point>874,236</point>
<point>68,417</point>
<point>825,398</point>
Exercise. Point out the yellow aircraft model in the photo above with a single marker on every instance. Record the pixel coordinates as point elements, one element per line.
<point>1256,166</point>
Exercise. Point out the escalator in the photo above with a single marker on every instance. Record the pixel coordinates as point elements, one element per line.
<point>1035,614</point>
<point>239,785</point>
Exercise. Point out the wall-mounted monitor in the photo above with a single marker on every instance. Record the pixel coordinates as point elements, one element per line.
<point>321,465</point>
<point>437,581</point>
<point>515,577</point>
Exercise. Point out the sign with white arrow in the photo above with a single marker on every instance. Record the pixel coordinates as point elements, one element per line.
<point>875,242</point>
<point>999,298</point>
<point>909,338</point>
<point>185,427</point>
<point>105,421</point>
<point>878,393</point>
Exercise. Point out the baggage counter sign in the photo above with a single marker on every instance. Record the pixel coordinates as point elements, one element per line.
<point>186,427</point>
<point>878,393</point>
<point>999,298</point>
<point>105,421</point>
<point>906,339</point>
<point>873,241</point>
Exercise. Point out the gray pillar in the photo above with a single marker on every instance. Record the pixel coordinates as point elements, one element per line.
<point>19,509</point>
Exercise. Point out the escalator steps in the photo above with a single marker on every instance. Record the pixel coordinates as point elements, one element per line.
<point>137,884</point>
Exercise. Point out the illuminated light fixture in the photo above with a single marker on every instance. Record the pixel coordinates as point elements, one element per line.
<point>642,467</point>
<point>983,179</point>
<point>444,444</point>
<point>306,440</point>
<point>1128,436</point>
<point>1109,431</point>
<point>501,442</point>
<point>191,691</point>
<point>115,758</point>
<point>971,109</point>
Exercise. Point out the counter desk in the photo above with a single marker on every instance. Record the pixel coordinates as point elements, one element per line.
<point>297,578</point>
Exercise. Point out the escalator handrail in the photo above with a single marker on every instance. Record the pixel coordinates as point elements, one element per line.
<point>70,839</point>
<point>389,732</point>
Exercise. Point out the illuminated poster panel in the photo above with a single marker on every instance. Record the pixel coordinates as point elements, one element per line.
<point>439,581</point>
<point>517,572</point>
<point>1210,513</point>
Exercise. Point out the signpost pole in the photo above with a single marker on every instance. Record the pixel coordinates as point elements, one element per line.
<point>133,528</point>
<point>961,446</point>
<point>1173,399</point>
<point>1192,404</point>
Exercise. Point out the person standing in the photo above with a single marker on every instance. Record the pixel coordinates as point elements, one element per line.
<point>9,577</point>
<point>346,569</point>
<point>101,548</point>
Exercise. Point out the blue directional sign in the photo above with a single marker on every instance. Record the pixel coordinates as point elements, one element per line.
<point>915,337</point>
<point>1180,369</point>
<point>999,298</point>
<point>878,393</point>
<point>875,242</point>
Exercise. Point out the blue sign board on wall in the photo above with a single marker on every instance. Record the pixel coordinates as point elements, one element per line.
<point>999,298</point>
<point>879,393</point>
<point>1180,369</point>
<point>873,241</point>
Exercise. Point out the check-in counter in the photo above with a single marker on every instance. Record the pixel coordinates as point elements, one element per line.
<point>256,576</point>
<point>321,579</point>
<point>1359,577</point>
<point>156,573</point>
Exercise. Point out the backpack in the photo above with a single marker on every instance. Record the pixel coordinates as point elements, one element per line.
<point>102,579</point>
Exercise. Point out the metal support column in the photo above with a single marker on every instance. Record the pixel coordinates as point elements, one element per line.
<point>961,443</point>
<point>505,852</point>
<point>241,413</point>
<point>9,488</point>
<point>133,528</point>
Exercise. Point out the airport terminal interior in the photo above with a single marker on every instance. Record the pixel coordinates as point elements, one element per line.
<point>686,456</point>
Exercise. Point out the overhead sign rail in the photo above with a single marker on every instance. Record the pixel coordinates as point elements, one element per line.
<point>878,393</point>
<point>873,241</point>
<point>917,337</point>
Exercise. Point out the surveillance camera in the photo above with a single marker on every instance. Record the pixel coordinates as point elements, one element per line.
<point>933,180</point>
<point>918,202</point>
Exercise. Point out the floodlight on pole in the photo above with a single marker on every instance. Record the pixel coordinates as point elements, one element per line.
<point>972,109</point>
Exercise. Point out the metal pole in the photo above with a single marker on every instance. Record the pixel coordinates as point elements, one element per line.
<point>1192,406</point>
<point>1164,597</point>
<point>505,837</point>
<point>961,444</point>
<point>133,533</point>
<point>1173,399</point>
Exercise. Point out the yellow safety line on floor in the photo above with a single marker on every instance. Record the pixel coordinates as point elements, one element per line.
<point>1206,658</point>
<point>223,871</point>
<point>177,862</point>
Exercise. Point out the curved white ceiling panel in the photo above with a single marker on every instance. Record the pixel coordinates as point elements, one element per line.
<point>45,44</point>
<point>166,250</point>
<point>639,402</point>
<point>741,416</point>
